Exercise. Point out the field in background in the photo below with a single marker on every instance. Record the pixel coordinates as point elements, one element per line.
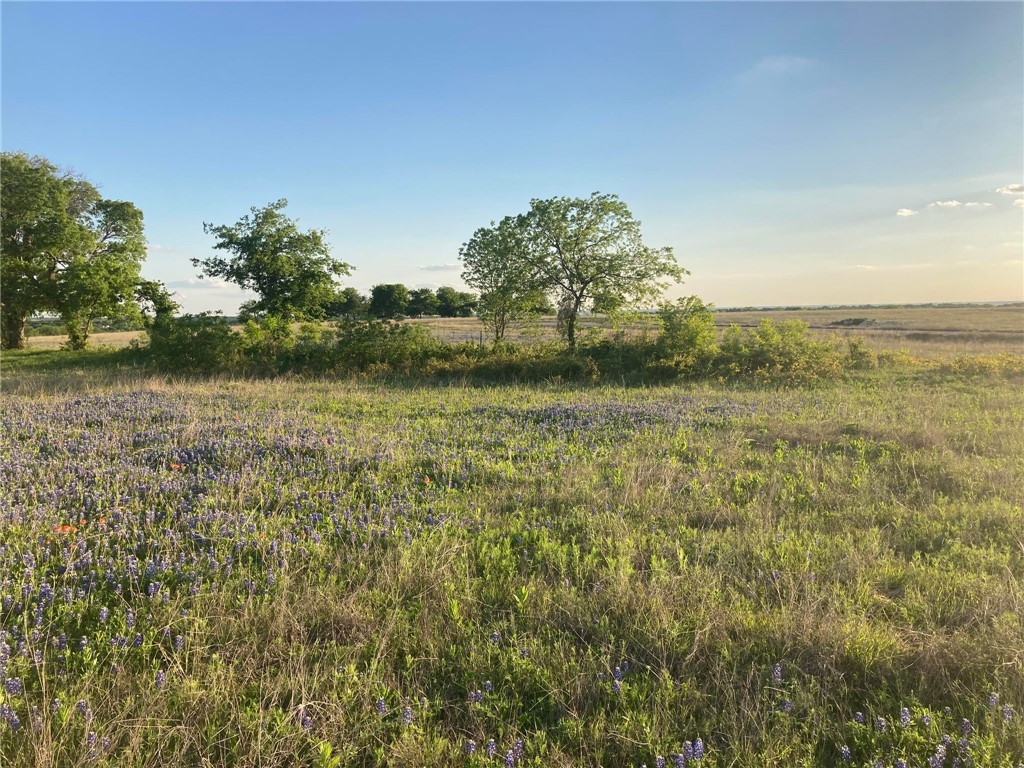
<point>922,331</point>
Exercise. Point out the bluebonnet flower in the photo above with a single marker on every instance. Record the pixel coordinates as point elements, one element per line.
<point>476,696</point>
<point>966,729</point>
<point>859,717</point>
<point>518,748</point>
<point>881,724</point>
<point>161,678</point>
<point>381,707</point>
<point>659,762</point>
<point>901,763</point>
<point>777,672</point>
<point>1007,712</point>
<point>10,717</point>
<point>90,739</point>
<point>964,745</point>
<point>492,748</point>
<point>845,754</point>
<point>407,716</point>
<point>495,637</point>
<point>104,614</point>
<point>14,686</point>
<point>305,720</point>
<point>939,758</point>
<point>993,699</point>
<point>905,717</point>
<point>616,686</point>
<point>786,706</point>
<point>489,686</point>
<point>698,749</point>
<point>179,642</point>
<point>617,673</point>
<point>926,720</point>
<point>470,746</point>
<point>510,759</point>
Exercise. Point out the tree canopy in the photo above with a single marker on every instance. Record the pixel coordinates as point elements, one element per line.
<point>590,253</point>
<point>292,271</point>
<point>389,300</point>
<point>65,250</point>
<point>496,263</point>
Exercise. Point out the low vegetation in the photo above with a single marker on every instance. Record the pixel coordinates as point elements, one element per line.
<point>288,572</point>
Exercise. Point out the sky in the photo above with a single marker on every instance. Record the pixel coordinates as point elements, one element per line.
<point>789,153</point>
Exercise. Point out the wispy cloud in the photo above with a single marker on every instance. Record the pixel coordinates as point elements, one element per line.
<point>906,212</point>
<point>1011,189</point>
<point>202,284</point>
<point>977,205</point>
<point>945,204</point>
<point>776,66</point>
<point>441,267</point>
<point>888,267</point>
<point>1019,202</point>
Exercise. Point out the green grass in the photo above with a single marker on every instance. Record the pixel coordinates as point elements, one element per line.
<point>411,543</point>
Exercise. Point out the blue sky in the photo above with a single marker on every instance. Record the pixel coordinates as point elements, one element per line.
<point>770,144</point>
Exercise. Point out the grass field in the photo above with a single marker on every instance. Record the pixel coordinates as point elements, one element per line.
<point>324,573</point>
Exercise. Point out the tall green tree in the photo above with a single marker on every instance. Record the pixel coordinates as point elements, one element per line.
<point>63,249</point>
<point>292,271</point>
<point>389,300</point>
<point>422,301</point>
<point>589,251</point>
<point>104,280</point>
<point>453,303</point>
<point>496,262</point>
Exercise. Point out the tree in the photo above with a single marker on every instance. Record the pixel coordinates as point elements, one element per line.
<point>103,281</point>
<point>422,301</point>
<point>348,303</point>
<point>496,262</point>
<point>453,303</point>
<point>291,271</point>
<point>64,248</point>
<point>589,251</point>
<point>389,301</point>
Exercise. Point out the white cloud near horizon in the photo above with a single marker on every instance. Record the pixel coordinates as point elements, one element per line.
<point>945,204</point>
<point>1011,189</point>
<point>906,212</point>
<point>440,267</point>
<point>202,284</point>
<point>977,205</point>
<point>1018,203</point>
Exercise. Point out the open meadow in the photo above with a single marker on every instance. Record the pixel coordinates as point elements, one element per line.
<point>355,572</point>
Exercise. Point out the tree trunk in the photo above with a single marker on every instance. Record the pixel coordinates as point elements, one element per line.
<point>12,330</point>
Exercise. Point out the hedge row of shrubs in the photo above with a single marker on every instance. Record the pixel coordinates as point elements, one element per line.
<point>688,347</point>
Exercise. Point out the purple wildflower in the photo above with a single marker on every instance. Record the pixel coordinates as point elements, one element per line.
<point>382,708</point>
<point>407,716</point>
<point>777,672</point>
<point>470,746</point>
<point>859,717</point>
<point>698,749</point>
<point>905,717</point>
<point>845,754</point>
<point>492,748</point>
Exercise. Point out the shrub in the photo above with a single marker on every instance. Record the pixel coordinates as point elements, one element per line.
<point>779,353</point>
<point>688,344</point>
<point>201,343</point>
<point>267,342</point>
<point>859,356</point>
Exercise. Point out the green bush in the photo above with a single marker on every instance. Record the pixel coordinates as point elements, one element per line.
<point>202,343</point>
<point>778,353</point>
<point>688,344</point>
